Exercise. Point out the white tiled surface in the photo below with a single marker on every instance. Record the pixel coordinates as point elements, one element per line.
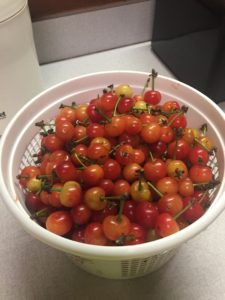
<point>30,270</point>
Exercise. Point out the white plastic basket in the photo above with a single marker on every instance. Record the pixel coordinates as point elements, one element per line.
<point>20,141</point>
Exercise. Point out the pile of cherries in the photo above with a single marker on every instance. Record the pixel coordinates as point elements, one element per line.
<point>122,169</point>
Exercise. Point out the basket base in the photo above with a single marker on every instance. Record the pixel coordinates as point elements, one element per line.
<point>123,269</point>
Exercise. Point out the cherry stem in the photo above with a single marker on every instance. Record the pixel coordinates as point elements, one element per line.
<point>79,160</point>
<point>200,144</point>
<point>111,198</point>
<point>139,184</point>
<point>175,149</point>
<point>153,76</point>
<point>42,125</point>
<point>146,85</point>
<point>100,112</point>
<point>117,103</point>
<point>151,156</point>
<point>115,147</point>
<point>22,177</point>
<point>206,186</point>
<point>44,176</point>
<point>84,122</point>
<point>154,189</point>
<point>55,190</point>
<point>79,141</point>
<point>184,209</point>
<point>203,197</point>
<point>122,201</point>
<point>204,128</point>
<point>40,214</point>
<point>73,105</point>
<point>181,112</point>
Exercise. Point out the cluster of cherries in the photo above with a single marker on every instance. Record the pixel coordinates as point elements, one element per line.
<point>122,169</point>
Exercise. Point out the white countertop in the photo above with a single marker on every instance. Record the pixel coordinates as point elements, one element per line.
<point>32,270</point>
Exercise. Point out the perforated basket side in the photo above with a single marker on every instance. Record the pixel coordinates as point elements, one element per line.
<point>123,269</point>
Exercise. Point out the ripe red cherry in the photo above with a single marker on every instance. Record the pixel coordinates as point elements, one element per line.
<point>165,225</point>
<point>178,149</point>
<point>147,118</point>
<point>125,105</point>
<point>151,132</point>
<point>167,185</point>
<point>54,199</point>
<point>124,154</point>
<point>98,153</point>
<point>81,214</point>
<point>93,114</point>
<point>158,149</point>
<point>195,211</point>
<point>167,134</point>
<point>80,132</point>
<point>137,235</point>
<point>27,173</point>
<point>155,169</point>
<point>177,120</point>
<point>116,226</point>
<point>93,198</point>
<point>170,105</point>
<point>59,222</point>
<point>78,235</point>
<point>198,155</point>
<point>70,194</point>
<point>92,175</point>
<point>95,130</point>
<point>133,125</point>
<point>64,130</point>
<point>100,215</point>
<point>52,142</point>
<point>170,203</point>
<point>112,169</point>
<point>200,174</point>
<point>108,101</point>
<point>152,97</point>
<point>121,187</point>
<point>132,140</point>
<point>66,171</point>
<point>33,202</point>
<point>93,234</point>
<point>116,127</point>
<point>107,185</point>
<point>146,214</point>
<point>68,113</point>
<point>129,209</point>
<point>131,172</point>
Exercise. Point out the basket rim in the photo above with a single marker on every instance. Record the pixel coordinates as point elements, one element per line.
<point>109,252</point>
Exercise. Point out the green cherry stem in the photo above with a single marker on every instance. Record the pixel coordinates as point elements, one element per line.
<point>181,112</point>
<point>203,197</point>
<point>146,85</point>
<point>73,105</point>
<point>204,129</point>
<point>200,144</point>
<point>100,111</point>
<point>122,201</point>
<point>117,103</point>
<point>153,75</point>
<point>184,209</point>
<point>40,214</point>
<point>206,186</point>
<point>154,189</point>
<point>79,160</point>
